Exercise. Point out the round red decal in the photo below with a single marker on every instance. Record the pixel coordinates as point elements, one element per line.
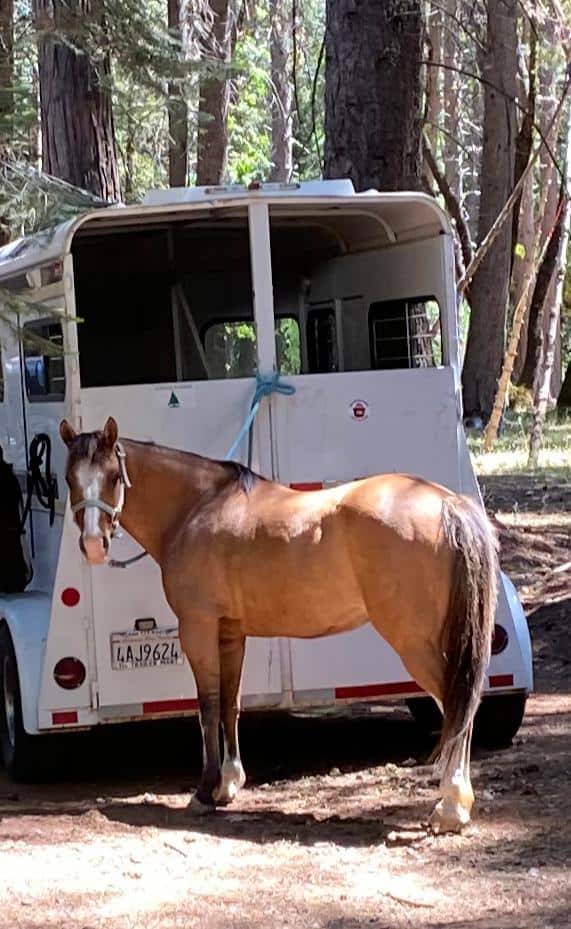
<point>359,410</point>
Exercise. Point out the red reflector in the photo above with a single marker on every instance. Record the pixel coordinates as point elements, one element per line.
<point>378,690</point>
<point>169,706</point>
<point>307,485</point>
<point>70,596</point>
<point>64,716</point>
<point>501,680</point>
<point>69,673</point>
<point>499,640</point>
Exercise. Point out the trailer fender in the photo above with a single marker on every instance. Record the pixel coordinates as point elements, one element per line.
<point>27,617</point>
<point>509,605</point>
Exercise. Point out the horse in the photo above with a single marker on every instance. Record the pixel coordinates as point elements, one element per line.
<point>244,556</point>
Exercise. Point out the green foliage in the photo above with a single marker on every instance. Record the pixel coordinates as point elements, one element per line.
<point>309,89</point>
<point>249,117</point>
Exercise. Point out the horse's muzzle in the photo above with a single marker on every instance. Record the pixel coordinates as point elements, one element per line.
<point>95,548</point>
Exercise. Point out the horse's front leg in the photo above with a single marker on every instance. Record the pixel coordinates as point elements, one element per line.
<point>199,640</point>
<point>232,646</point>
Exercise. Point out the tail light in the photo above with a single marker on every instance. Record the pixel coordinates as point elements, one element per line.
<point>69,673</point>
<point>499,640</point>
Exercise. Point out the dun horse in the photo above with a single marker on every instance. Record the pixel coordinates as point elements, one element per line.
<point>242,556</point>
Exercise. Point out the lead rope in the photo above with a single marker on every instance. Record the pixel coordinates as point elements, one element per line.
<point>266,384</point>
<point>113,562</point>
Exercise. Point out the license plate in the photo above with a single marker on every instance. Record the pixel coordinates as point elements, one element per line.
<point>131,651</point>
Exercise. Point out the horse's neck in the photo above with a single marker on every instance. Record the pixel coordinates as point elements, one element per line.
<point>165,486</point>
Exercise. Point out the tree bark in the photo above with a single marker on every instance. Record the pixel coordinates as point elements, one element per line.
<point>78,141</point>
<point>524,204</point>
<point>434,76</point>
<point>280,41</point>
<point>452,152</point>
<point>546,106</point>
<point>564,400</point>
<point>6,70</point>
<point>373,93</point>
<point>550,355</point>
<point>214,91</point>
<point>535,327</point>
<point>490,285</point>
<point>177,106</point>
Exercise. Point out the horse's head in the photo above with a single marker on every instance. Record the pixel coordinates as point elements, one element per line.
<point>97,478</point>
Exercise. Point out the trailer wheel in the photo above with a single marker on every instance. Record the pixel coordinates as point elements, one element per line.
<point>497,720</point>
<point>425,713</point>
<point>19,750</point>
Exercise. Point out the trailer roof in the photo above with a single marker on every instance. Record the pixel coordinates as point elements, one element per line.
<point>363,220</point>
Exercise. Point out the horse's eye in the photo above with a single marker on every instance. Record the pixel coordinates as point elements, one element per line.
<point>115,478</point>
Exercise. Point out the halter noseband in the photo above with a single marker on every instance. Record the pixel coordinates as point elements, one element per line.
<point>113,511</point>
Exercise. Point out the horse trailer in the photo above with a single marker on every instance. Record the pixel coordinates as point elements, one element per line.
<point>161,314</point>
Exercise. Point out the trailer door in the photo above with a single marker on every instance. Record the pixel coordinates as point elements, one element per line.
<point>373,397</point>
<point>168,347</point>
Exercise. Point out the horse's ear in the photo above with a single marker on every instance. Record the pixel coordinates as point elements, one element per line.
<point>67,432</point>
<point>110,433</point>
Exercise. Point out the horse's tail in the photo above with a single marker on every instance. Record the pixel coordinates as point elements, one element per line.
<point>467,631</point>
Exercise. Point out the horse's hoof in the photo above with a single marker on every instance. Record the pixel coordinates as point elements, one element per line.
<point>197,807</point>
<point>448,817</point>
<point>233,778</point>
<point>226,794</point>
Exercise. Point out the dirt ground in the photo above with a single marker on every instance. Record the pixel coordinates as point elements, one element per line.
<point>327,833</point>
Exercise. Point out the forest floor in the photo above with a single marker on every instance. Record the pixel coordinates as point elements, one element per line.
<point>327,833</point>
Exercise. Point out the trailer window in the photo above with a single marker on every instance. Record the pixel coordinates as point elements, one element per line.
<point>405,334</point>
<point>44,360</point>
<point>230,347</point>
<point>321,333</point>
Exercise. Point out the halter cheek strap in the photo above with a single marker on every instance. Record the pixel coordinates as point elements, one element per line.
<point>96,504</point>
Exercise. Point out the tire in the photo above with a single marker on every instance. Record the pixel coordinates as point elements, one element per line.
<point>19,750</point>
<point>425,713</point>
<point>497,720</point>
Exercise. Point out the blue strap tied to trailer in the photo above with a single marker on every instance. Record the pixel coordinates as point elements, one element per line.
<point>266,384</point>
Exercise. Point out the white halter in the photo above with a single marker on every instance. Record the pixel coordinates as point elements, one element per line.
<point>113,511</point>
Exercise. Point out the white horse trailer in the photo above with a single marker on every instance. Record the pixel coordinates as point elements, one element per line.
<point>166,311</point>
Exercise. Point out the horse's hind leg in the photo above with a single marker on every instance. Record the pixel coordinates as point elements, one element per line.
<point>232,646</point>
<point>452,811</point>
<point>199,640</point>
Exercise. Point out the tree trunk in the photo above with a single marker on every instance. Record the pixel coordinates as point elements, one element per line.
<point>6,70</point>
<point>214,91</point>
<point>564,401</point>
<point>373,93</point>
<point>281,90</point>
<point>535,327</point>
<point>434,76</point>
<point>78,142</point>
<point>547,102</point>
<point>524,205</point>
<point>452,152</point>
<point>554,317</point>
<point>177,107</point>
<point>490,285</point>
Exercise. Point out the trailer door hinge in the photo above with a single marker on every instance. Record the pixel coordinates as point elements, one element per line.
<point>94,695</point>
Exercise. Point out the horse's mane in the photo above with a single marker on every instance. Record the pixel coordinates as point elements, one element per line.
<point>89,445</point>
